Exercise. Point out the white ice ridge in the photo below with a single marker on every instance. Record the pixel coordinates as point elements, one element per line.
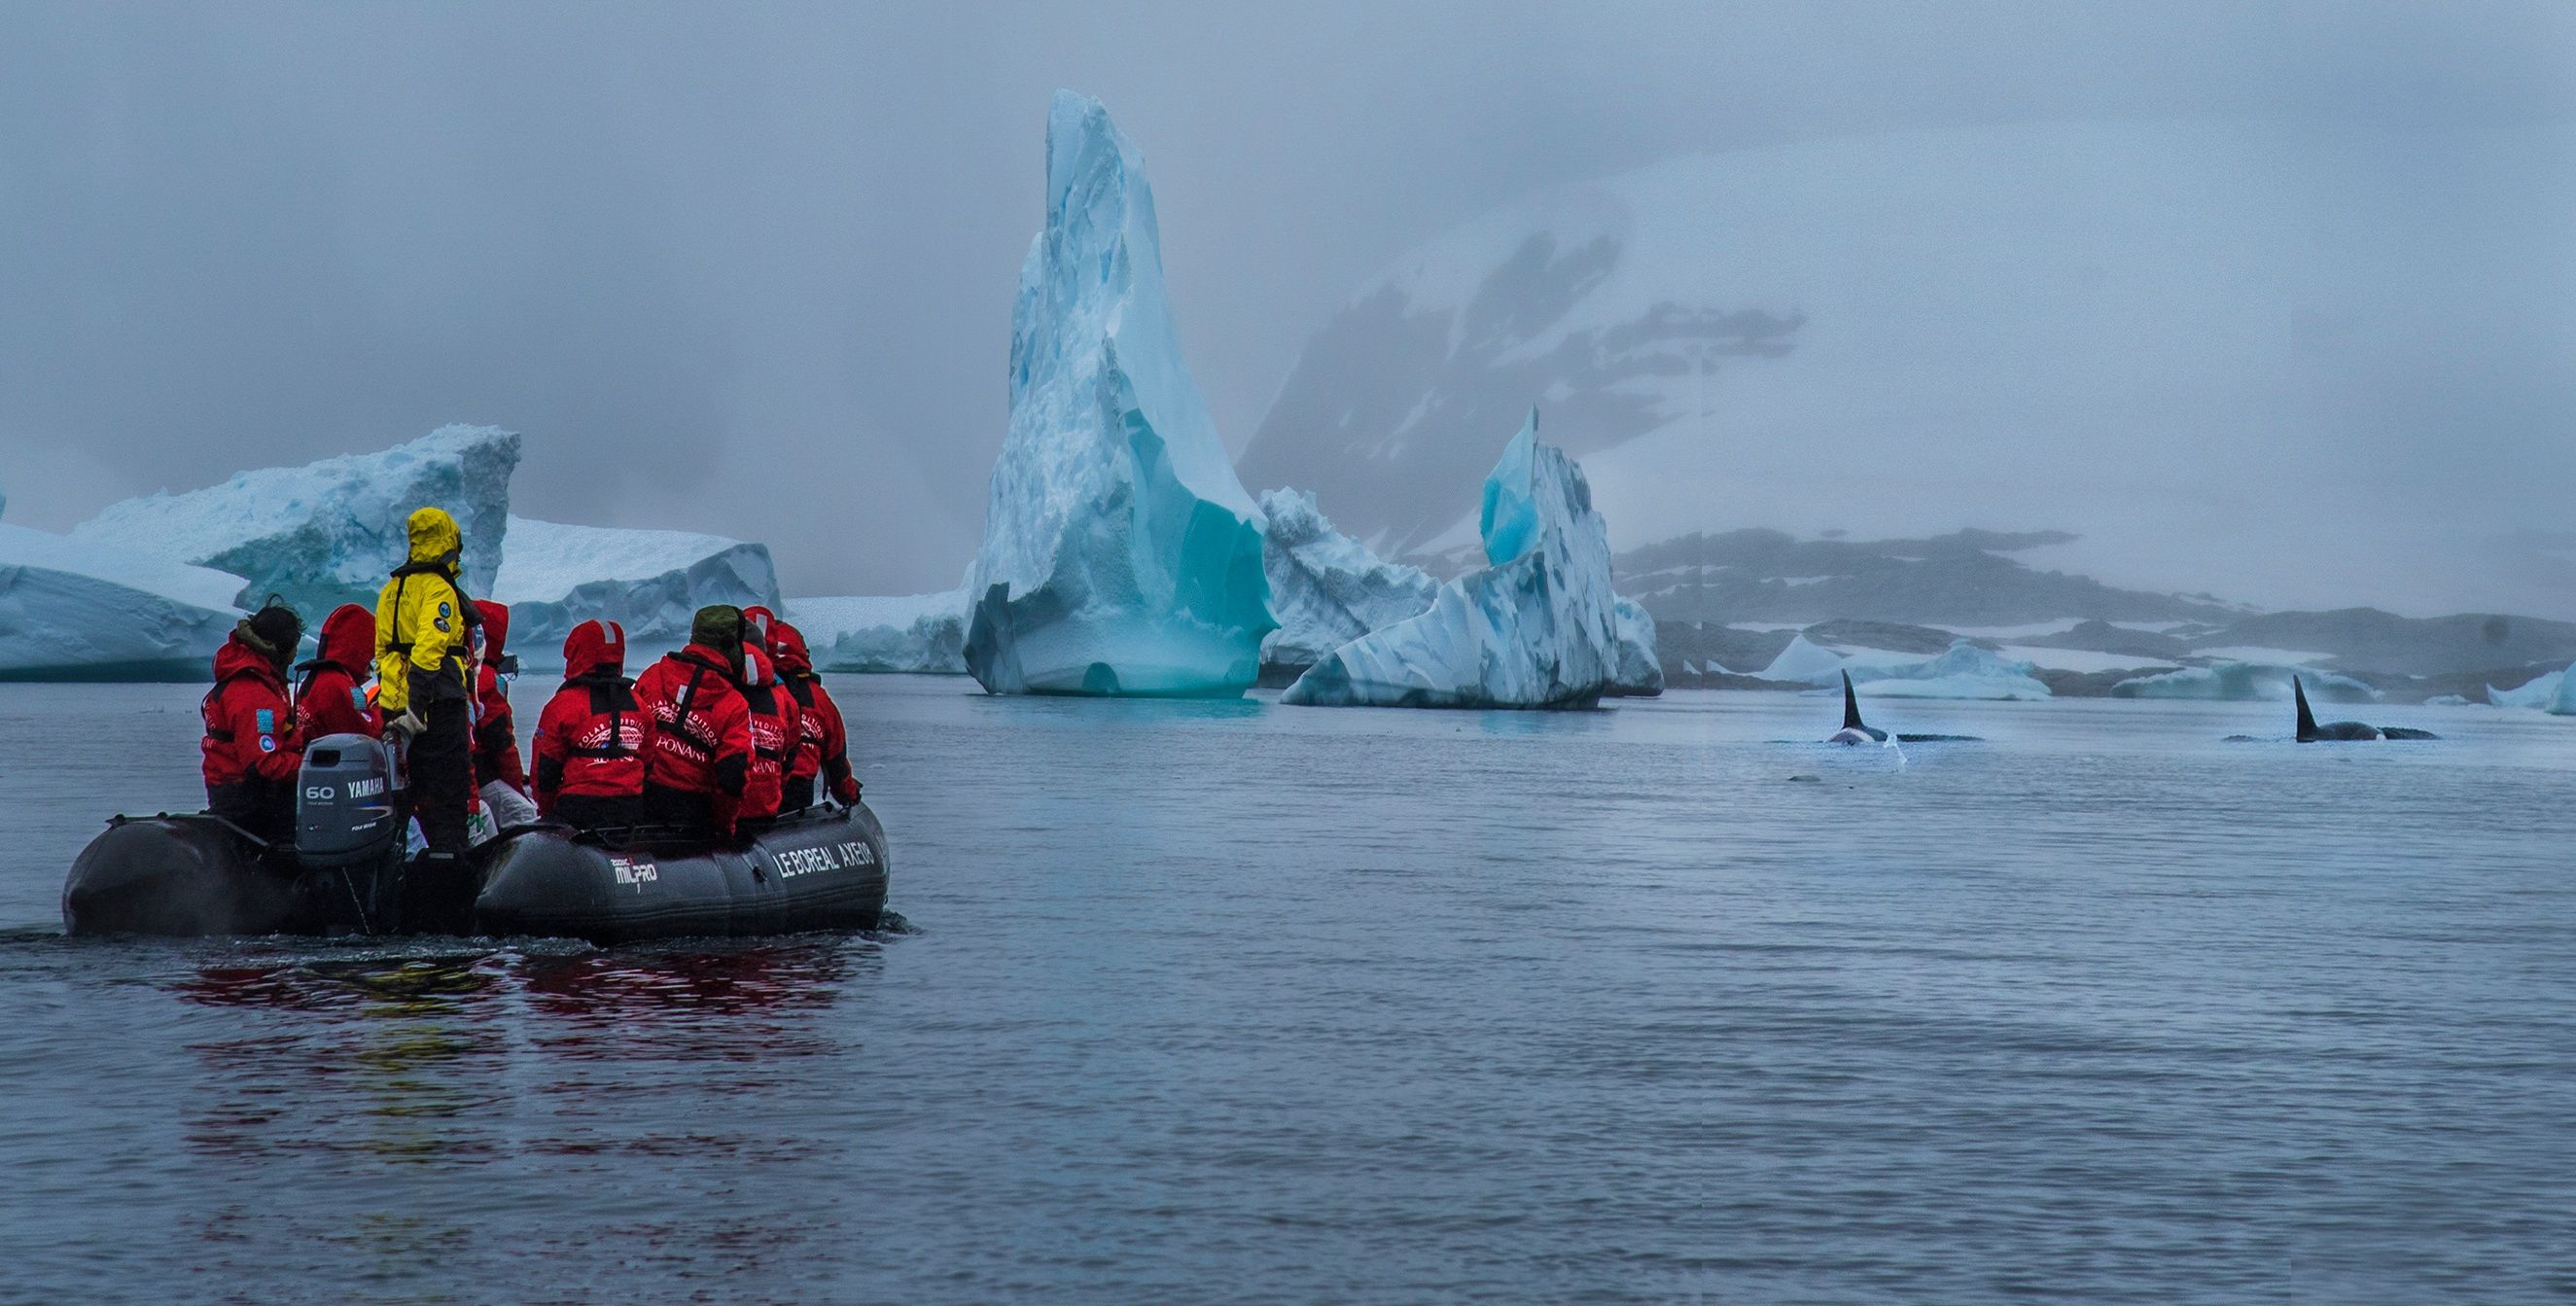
<point>1120,555</point>
<point>1327,589</point>
<point>2540,691</point>
<point>328,532</point>
<point>92,610</point>
<point>652,582</point>
<point>2554,693</point>
<point>1964,671</point>
<point>1804,662</point>
<point>2245,681</point>
<point>1535,629</point>
<point>921,633</point>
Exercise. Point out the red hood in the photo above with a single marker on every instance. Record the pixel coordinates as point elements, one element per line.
<point>236,657</point>
<point>787,646</point>
<point>496,628</point>
<point>348,639</point>
<point>755,667</point>
<point>593,647</point>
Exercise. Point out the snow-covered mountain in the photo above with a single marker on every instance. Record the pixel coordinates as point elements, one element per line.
<point>2228,357</point>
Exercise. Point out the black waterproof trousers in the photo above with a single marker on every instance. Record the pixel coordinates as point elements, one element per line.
<point>263,807</point>
<point>599,811</point>
<point>442,771</point>
<point>689,813</point>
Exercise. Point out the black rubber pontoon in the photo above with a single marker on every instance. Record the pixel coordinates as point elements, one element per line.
<point>191,875</point>
<point>814,870</point>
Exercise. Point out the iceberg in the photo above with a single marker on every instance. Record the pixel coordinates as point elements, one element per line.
<point>1636,672</point>
<point>1804,662</point>
<point>555,577</point>
<point>1120,553</point>
<point>2563,703</point>
<point>92,610</point>
<point>1327,589</point>
<point>2243,682</point>
<point>1965,671</point>
<point>328,532</point>
<point>920,633</point>
<point>2540,691</point>
<point>1537,628</point>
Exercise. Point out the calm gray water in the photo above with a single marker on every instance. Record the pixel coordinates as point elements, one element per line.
<point>1234,1002</point>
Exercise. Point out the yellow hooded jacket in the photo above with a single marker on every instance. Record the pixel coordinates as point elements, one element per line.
<point>421,618</point>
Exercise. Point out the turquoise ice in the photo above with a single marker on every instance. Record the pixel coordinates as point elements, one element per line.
<point>1120,555</point>
<point>1537,628</point>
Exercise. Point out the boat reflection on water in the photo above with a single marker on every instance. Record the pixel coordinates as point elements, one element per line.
<point>414,1055</point>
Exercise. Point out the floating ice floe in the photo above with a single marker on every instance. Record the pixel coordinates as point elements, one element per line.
<point>328,532</point>
<point>920,633</point>
<point>2553,693</point>
<point>2245,681</point>
<point>1327,589</point>
<point>1537,628</point>
<point>652,582</point>
<point>87,609</point>
<point>1804,662</point>
<point>1120,554</point>
<point>1965,671</point>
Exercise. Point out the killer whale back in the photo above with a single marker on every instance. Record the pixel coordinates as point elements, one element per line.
<point>1851,706</point>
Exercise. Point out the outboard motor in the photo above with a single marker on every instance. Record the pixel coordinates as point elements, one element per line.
<point>347,811</point>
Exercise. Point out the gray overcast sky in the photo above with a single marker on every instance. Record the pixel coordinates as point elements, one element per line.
<point>748,268</point>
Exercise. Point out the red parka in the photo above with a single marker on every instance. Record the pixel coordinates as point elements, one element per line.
<point>700,738</point>
<point>592,737</point>
<point>250,727</point>
<point>823,744</point>
<point>332,700</point>
<point>496,732</point>
<point>775,728</point>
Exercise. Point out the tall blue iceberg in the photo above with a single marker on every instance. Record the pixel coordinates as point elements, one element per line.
<point>1120,554</point>
<point>1538,628</point>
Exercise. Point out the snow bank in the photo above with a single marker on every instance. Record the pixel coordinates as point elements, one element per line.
<point>328,532</point>
<point>555,577</point>
<point>1120,554</point>
<point>1536,629</point>
<point>92,610</point>
<point>921,633</point>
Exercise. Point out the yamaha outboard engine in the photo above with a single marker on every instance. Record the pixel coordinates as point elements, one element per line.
<point>346,810</point>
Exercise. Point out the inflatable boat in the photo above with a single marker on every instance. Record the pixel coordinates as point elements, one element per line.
<point>191,874</point>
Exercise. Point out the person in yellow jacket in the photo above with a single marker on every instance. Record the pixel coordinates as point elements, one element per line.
<point>422,623</point>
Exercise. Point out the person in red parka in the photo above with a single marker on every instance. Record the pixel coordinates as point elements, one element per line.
<point>699,743</point>
<point>774,730</point>
<point>251,749</point>
<point>823,746</point>
<point>496,732</point>
<point>591,737</point>
<point>331,699</point>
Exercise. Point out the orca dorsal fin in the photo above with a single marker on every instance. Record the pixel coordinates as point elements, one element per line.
<point>1851,706</point>
<point>2307,719</point>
